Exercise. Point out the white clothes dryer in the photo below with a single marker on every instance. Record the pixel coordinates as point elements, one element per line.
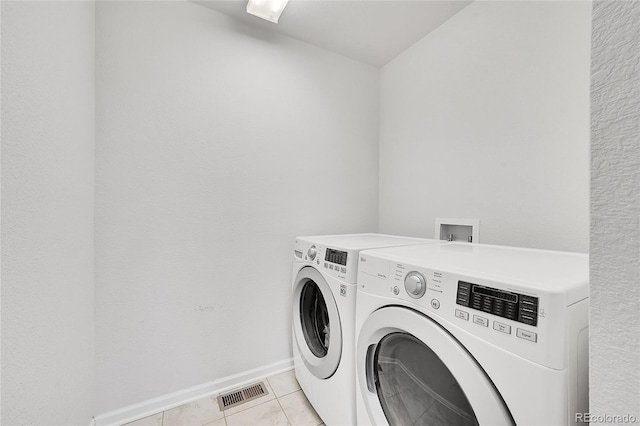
<point>324,303</point>
<point>471,334</point>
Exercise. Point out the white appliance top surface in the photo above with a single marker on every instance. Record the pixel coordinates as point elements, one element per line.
<point>364,241</point>
<point>551,271</point>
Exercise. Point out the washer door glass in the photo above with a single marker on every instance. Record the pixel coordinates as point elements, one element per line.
<point>415,387</point>
<point>314,317</point>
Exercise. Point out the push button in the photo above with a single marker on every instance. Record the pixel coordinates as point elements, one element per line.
<point>462,314</point>
<point>481,321</point>
<point>342,269</point>
<point>435,303</point>
<point>502,328</point>
<point>527,335</point>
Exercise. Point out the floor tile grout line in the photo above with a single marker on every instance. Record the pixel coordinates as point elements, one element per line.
<point>312,407</point>
<point>284,412</point>
<point>289,393</point>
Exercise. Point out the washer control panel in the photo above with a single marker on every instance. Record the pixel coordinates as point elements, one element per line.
<point>312,252</point>
<point>338,257</point>
<point>333,261</point>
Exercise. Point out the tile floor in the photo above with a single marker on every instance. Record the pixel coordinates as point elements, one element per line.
<point>285,404</point>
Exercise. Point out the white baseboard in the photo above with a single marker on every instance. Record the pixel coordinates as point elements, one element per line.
<point>166,402</point>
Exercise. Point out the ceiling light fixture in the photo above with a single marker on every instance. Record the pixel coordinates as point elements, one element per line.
<point>267,9</point>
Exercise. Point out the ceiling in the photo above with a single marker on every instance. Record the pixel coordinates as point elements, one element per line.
<point>370,31</point>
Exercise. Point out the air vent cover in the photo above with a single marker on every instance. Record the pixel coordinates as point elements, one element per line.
<point>240,396</point>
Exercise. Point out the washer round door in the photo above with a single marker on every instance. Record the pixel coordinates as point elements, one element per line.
<point>412,371</point>
<point>316,323</point>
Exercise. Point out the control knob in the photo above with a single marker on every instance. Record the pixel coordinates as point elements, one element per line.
<point>415,284</point>
<point>312,252</point>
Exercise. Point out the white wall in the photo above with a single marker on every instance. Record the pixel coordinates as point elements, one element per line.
<point>487,117</point>
<point>47,212</point>
<point>615,209</point>
<point>216,146</point>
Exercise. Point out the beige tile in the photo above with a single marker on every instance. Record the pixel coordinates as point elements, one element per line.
<point>196,413</point>
<point>155,420</point>
<point>268,397</point>
<point>221,422</point>
<point>284,383</point>
<point>298,410</point>
<point>268,413</point>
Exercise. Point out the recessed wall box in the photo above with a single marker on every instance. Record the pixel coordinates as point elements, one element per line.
<point>463,230</point>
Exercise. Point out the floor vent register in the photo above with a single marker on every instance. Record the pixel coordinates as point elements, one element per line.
<point>240,396</point>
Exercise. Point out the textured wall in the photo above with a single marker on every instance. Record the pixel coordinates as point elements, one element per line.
<point>487,117</point>
<point>615,209</point>
<point>47,212</point>
<point>216,145</point>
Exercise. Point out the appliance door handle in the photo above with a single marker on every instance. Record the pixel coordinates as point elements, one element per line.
<point>369,368</point>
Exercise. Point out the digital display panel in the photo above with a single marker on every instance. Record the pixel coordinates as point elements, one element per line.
<point>511,297</point>
<point>336,256</point>
<point>505,304</point>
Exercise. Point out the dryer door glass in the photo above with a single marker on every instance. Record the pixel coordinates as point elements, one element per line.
<point>314,318</point>
<point>415,387</point>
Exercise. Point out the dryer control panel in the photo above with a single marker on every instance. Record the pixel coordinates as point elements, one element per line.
<point>517,318</point>
<point>506,304</point>
<point>516,299</point>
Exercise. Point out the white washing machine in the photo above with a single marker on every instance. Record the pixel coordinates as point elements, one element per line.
<point>324,303</point>
<point>470,334</point>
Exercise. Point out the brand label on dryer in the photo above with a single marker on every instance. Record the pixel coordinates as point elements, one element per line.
<point>374,267</point>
